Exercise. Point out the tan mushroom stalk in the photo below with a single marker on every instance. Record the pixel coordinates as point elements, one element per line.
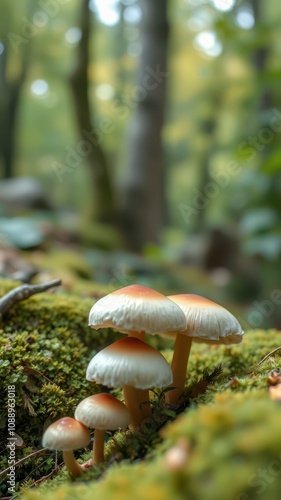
<point>135,310</point>
<point>102,412</point>
<point>206,322</point>
<point>67,435</point>
<point>130,363</point>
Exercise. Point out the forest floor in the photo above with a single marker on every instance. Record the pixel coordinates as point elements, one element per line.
<point>225,429</point>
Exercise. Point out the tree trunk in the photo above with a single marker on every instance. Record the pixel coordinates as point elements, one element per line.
<point>103,204</point>
<point>208,126</point>
<point>143,187</point>
<point>9,102</point>
<point>260,56</point>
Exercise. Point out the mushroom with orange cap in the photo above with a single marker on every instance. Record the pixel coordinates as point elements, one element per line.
<point>136,310</point>
<point>132,364</point>
<point>66,435</point>
<point>207,322</point>
<point>102,412</point>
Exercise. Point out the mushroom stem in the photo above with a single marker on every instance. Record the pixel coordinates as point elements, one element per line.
<point>98,446</point>
<point>137,335</point>
<point>132,402</point>
<point>74,468</point>
<point>179,364</point>
<point>143,395</point>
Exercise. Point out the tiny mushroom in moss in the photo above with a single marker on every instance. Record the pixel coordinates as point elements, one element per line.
<point>66,435</point>
<point>130,363</point>
<point>102,412</point>
<point>136,310</point>
<point>275,392</point>
<point>274,377</point>
<point>207,322</point>
<point>176,457</point>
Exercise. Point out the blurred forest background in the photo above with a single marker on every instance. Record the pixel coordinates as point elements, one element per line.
<point>140,142</point>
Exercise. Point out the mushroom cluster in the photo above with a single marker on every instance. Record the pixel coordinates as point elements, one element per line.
<point>134,310</point>
<point>100,412</point>
<point>135,366</point>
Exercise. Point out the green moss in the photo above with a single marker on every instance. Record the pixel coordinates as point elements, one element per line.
<point>45,347</point>
<point>231,429</point>
<point>102,236</point>
<point>234,453</point>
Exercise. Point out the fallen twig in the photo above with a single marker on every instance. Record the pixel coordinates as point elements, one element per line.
<point>23,292</point>
<point>269,354</point>
<point>31,371</point>
<point>44,478</point>
<point>3,472</point>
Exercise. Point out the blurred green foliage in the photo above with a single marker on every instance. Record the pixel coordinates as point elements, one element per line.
<point>215,104</point>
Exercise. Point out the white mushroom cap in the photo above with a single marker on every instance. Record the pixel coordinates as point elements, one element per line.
<point>137,308</point>
<point>207,321</point>
<point>102,411</point>
<point>66,434</point>
<point>130,361</point>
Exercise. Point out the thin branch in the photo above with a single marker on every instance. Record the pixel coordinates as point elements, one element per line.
<point>269,354</point>
<point>3,472</point>
<point>44,478</point>
<point>23,292</point>
<point>31,371</point>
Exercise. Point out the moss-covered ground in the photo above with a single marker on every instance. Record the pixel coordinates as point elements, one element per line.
<point>226,430</point>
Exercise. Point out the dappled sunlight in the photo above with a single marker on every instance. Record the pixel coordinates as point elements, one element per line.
<point>245,18</point>
<point>207,42</point>
<point>39,88</point>
<point>73,35</point>
<point>223,5</point>
<point>132,15</point>
<point>107,12</point>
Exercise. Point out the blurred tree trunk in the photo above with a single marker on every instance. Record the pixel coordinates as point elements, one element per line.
<point>143,188</point>
<point>208,126</point>
<point>103,204</point>
<point>9,103</point>
<point>260,56</point>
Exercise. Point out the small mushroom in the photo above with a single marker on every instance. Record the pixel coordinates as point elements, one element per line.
<point>176,458</point>
<point>102,412</point>
<point>274,377</point>
<point>275,392</point>
<point>136,310</point>
<point>130,363</point>
<point>67,435</point>
<point>206,322</point>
